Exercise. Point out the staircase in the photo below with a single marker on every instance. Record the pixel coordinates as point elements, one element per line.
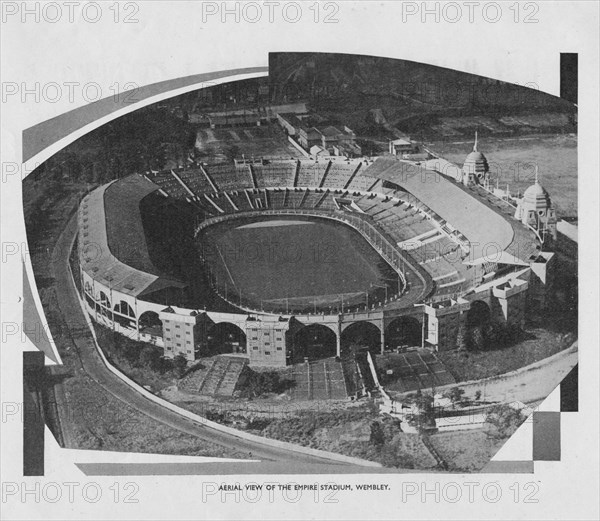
<point>351,178</point>
<point>194,380</point>
<point>218,377</point>
<point>297,173</point>
<point>319,380</point>
<point>364,371</point>
<point>253,176</point>
<point>322,183</point>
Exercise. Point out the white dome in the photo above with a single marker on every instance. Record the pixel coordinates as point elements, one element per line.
<point>536,197</point>
<point>476,163</point>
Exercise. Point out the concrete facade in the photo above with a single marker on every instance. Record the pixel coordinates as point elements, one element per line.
<point>270,339</point>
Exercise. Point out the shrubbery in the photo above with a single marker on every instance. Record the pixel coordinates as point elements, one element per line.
<point>505,420</point>
<point>487,337</point>
<point>138,355</point>
<point>255,384</point>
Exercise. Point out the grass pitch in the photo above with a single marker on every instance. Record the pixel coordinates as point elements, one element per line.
<point>295,263</point>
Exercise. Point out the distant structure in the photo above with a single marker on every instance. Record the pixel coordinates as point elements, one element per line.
<point>475,169</point>
<point>318,137</point>
<point>535,209</point>
<point>399,147</point>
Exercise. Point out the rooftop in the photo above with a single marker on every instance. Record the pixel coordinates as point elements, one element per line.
<point>112,245</point>
<point>486,228</point>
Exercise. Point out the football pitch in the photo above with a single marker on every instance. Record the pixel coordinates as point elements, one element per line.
<point>295,264</point>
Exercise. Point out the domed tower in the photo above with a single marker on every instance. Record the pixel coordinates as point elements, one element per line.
<point>535,209</point>
<point>475,170</point>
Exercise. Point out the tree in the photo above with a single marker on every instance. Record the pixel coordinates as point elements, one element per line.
<point>505,419</point>
<point>477,339</point>
<point>424,415</point>
<point>377,435</point>
<point>456,395</point>
<point>149,357</point>
<point>180,364</point>
<point>132,351</point>
<point>256,384</point>
<point>461,338</point>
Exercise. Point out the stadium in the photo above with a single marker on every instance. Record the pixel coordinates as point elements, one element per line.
<point>282,261</point>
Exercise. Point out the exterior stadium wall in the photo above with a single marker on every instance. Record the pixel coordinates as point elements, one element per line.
<point>268,342</point>
<point>268,336</point>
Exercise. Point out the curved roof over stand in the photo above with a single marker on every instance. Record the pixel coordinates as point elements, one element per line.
<point>492,234</point>
<point>110,216</point>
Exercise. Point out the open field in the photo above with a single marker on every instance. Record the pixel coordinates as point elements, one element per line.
<point>466,451</point>
<point>312,262</point>
<point>218,145</point>
<point>514,160</point>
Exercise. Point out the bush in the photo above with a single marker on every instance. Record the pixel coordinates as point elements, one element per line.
<point>377,436</point>
<point>180,365</point>
<point>256,384</point>
<point>425,417</point>
<point>462,338</point>
<point>456,395</point>
<point>505,420</point>
<point>150,357</point>
<point>477,339</point>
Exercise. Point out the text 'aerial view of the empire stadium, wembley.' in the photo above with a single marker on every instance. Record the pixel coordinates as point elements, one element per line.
<point>388,246</point>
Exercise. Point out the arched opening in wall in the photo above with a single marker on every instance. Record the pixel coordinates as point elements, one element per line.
<point>150,324</point>
<point>313,342</point>
<point>122,308</point>
<point>104,308</point>
<point>479,314</point>
<point>361,335</point>
<point>104,299</point>
<point>88,288</point>
<point>225,337</point>
<point>403,332</point>
<point>90,301</point>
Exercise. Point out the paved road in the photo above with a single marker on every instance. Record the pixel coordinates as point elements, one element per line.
<point>530,384</point>
<point>93,365</point>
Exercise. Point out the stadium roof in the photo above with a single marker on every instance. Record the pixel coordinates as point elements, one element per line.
<point>489,231</point>
<point>112,245</point>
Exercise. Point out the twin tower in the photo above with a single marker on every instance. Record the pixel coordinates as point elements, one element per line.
<point>534,209</point>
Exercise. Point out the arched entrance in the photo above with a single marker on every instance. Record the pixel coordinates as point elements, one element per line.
<point>314,341</point>
<point>479,314</point>
<point>361,335</point>
<point>105,307</point>
<point>124,309</point>
<point>104,300</point>
<point>225,337</point>
<point>150,324</point>
<point>404,332</point>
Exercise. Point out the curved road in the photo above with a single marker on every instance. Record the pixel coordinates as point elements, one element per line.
<point>68,302</point>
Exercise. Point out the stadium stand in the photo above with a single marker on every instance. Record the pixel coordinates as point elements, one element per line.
<point>229,177</point>
<point>274,175</point>
<point>311,173</point>
<point>113,246</point>
<point>169,184</point>
<point>339,174</point>
<point>310,199</point>
<point>196,181</point>
<point>425,214</point>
